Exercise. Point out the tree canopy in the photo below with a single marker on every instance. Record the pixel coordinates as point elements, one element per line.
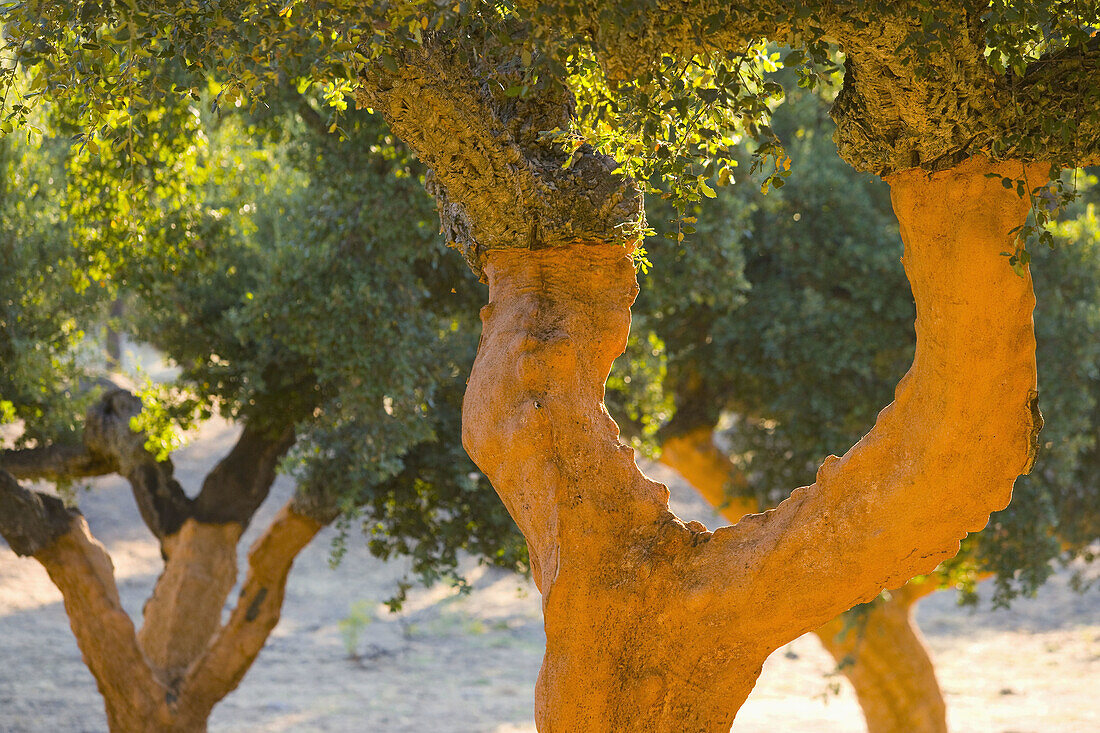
<point>256,265</point>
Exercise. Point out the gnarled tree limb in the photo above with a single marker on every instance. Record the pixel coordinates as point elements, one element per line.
<point>109,445</point>
<point>497,182</point>
<point>30,520</point>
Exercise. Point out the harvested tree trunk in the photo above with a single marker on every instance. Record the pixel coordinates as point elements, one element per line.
<point>144,690</point>
<point>653,625</point>
<point>882,655</point>
<point>167,677</point>
<point>890,668</point>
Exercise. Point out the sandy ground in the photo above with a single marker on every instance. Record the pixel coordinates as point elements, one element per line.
<point>467,664</point>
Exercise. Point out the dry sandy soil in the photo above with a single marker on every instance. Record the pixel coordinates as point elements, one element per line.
<point>467,664</point>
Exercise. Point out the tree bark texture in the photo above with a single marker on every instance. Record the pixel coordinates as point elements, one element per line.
<point>657,625</point>
<point>881,654</point>
<point>884,657</point>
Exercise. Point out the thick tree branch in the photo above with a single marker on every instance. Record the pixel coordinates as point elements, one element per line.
<point>498,183</point>
<point>945,453</point>
<point>235,488</point>
<point>160,499</point>
<point>231,652</point>
<point>185,609</point>
<point>186,606</point>
<point>30,520</point>
<point>55,463</point>
<point>880,651</point>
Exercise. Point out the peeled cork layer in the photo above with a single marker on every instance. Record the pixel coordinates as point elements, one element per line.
<point>883,655</point>
<point>654,625</point>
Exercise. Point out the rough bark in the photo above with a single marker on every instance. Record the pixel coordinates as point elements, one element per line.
<point>186,606</point>
<point>911,98</point>
<point>30,520</point>
<point>654,625</point>
<point>109,446</point>
<point>497,182</point>
<point>160,499</point>
<point>883,655</point>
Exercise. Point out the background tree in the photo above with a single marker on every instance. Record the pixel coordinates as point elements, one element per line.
<point>543,217</point>
<point>258,274</point>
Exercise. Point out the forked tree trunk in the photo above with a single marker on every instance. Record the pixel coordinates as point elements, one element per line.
<point>152,682</point>
<point>882,655</point>
<point>167,677</point>
<point>653,625</point>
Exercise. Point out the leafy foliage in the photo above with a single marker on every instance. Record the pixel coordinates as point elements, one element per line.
<point>297,280</point>
<point>44,383</point>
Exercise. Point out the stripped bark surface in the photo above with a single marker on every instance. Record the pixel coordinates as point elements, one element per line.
<point>880,651</point>
<point>653,624</point>
<point>169,675</point>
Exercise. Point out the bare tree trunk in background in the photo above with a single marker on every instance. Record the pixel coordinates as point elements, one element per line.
<point>113,337</point>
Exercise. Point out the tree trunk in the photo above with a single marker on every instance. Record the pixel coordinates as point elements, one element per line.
<point>694,456</point>
<point>883,655</point>
<point>134,696</point>
<point>185,609</point>
<point>232,650</point>
<point>654,625</point>
<point>884,658</point>
<point>168,677</point>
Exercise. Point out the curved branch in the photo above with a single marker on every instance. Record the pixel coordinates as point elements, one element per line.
<point>946,452</point>
<point>235,488</point>
<point>882,654</point>
<point>647,617</point>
